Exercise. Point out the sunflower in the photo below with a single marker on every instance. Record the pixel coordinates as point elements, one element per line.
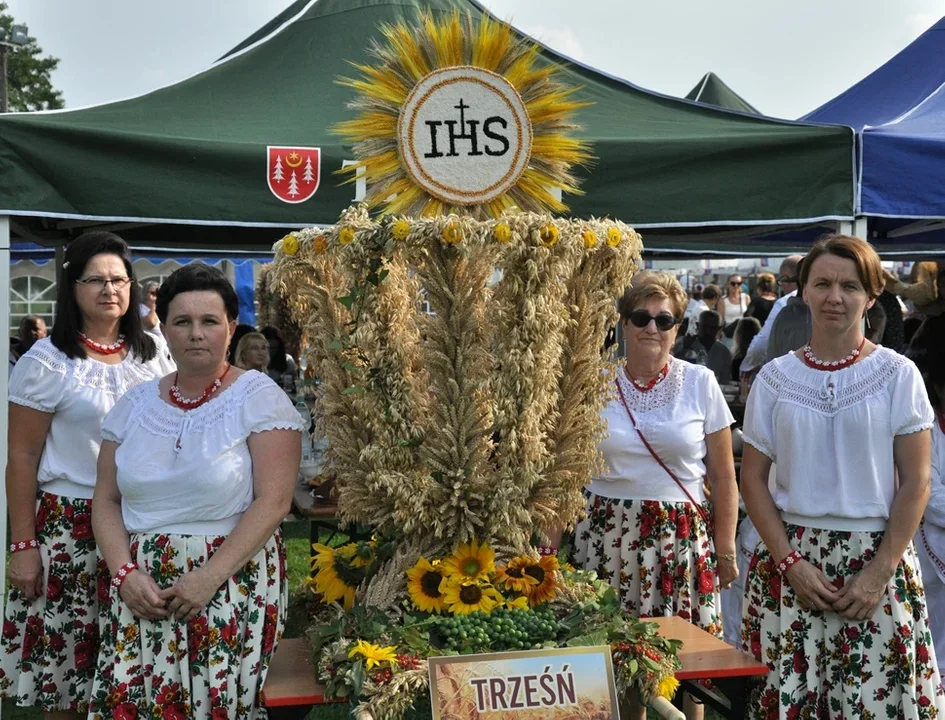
<point>374,654</point>
<point>467,597</point>
<point>336,576</point>
<point>290,245</point>
<point>668,686</point>
<point>410,54</point>
<point>543,571</point>
<point>423,585</point>
<point>361,553</point>
<point>519,603</point>
<point>513,577</point>
<point>346,235</point>
<point>469,562</point>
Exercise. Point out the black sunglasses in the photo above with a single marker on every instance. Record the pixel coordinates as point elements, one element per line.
<point>641,318</point>
<point>733,283</point>
<point>783,279</point>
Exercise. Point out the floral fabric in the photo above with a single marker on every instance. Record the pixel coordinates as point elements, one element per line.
<point>824,666</point>
<point>658,555</point>
<point>49,645</point>
<point>211,667</point>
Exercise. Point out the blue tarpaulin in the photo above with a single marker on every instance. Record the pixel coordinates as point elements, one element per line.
<point>898,112</point>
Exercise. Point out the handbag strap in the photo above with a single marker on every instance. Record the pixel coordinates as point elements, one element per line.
<point>698,506</point>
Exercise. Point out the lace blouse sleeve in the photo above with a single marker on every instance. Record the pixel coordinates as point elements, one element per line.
<point>910,410</point>
<point>758,427</point>
<point>116,422</point>
<point>270,409</point>
<point>717,415</point>
<point>37,385</point>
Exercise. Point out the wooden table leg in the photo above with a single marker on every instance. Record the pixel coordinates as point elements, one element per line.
<point>289,712</point>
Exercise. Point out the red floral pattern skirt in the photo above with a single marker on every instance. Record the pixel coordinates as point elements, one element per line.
<point>658,555</point>
<point>211,667</point>
<point>825,666</point>
<point>49,645</point>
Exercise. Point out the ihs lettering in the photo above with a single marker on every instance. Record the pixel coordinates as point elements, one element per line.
<point>472,135</point>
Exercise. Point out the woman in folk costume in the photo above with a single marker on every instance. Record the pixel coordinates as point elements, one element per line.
<point>834,602</point>
<point>60,392</point>
<point>650,531</point>
<point>195,475</point>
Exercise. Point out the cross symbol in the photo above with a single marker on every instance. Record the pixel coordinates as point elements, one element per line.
<point>462,116</point>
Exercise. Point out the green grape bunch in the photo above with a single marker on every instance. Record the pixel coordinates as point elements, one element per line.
<point>499,631</point>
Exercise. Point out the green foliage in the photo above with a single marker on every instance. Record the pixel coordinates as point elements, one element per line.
<point>28,72</point>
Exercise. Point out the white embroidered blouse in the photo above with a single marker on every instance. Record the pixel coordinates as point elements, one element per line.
<point>78,392</point>
<point>190,471</point>
<point>930,539</point>
<point>674,417</point>
<point>831,435</point>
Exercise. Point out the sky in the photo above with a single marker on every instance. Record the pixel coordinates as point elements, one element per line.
<point>785,58</point>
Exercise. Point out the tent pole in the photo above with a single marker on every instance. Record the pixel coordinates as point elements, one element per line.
<point>4,382</point>
<point>856,228</point>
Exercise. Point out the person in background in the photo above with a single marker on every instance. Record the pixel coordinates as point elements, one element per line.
<point>649,530</point>
<point>734,303</point>
<point>762,303</point>
<point>875,323</point>
<point>928,352</point>
<point>710,296</point>
<point>281,364</point>
<point>745,332</point>
<point>252,352</point>
<point>195,475</point>
<point>694,309</point>
<point>60,392</point>
<point>705,348</point>
<point>32,328</point>
<point>922,290</point>
<point>894,335</point>
<point>149,318</point>
<point>241,330</point>
<point>757,353</point>
<point>834,603</point>
<point>910,326</point>
<point>791,328</point>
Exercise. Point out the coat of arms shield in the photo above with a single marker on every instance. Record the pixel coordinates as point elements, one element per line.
<point>293,173</point>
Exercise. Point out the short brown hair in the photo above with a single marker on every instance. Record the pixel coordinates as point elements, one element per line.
<point>868,267</point>
<point>652,285</point>
<point>766,282</point>
<point>714,290</point>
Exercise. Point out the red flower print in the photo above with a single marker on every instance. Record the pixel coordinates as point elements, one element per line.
<point>800,661</point>
<point>706,582</point>
<point>853,633</point>
<point>774,586</point>
<point>32,633</point>
<point>9,630</point>
<point>682,526</point>
<point>924,701</point>
<point>174,712</point>
<point>666,584</point>
<point>754,643</point>
<point>104,583</point>
<point>53,588</point>
<point>218,714</point>
<point>269,632</point>
<point>125,711</point>
<point>797,626</point>
<point>229,632</point>
<point>646,525</point>
<point>68,511</point>
<point>168,694</point>
<point>197,631</point>
<point>57,642</point>
<point>83,655</point>
<point>82,527</point>
<point>162,541</point>
<point>856,564</point>
<point>41,516</point>
<point>922,653</point>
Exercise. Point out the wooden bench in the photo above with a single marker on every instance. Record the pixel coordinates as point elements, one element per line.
<point>291,691</point>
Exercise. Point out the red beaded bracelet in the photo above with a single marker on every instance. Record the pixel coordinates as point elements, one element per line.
<point>547,550</point>
<point>24,545</point>
<point>792,559</point>
<point>123,572</point>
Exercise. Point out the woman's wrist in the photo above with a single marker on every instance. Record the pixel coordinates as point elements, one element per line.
<point>24,545</point>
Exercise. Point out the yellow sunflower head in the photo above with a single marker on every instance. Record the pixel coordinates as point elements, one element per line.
<point>668,686</point>
<point>469,562</point>
<point>423,585</point>
<point>513,577</point>
<point>400,229</point>
<point>548,234</point>
<point>502,233</point>
<point>320,245</point>
<point>336,576</point>
<point>452,233</point>
<point>346,235</point>
<point>614,237</point>
<point>519,603</point>
<point>463,598</point>
<point>373,655</point>
<point>590,238</point>
<point>546,584</point>
<point>290,245</point>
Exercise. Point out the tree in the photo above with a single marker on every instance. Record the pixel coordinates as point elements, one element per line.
<point>29,85</point>
<point>309,175</point>
<point>277,170</point>
<point>293,185</point>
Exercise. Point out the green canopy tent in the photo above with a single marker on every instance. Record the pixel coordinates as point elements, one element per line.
<point>711,90</point>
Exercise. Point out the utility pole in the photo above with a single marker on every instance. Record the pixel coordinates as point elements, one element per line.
<point>3,77</point>
<point>19,36</point>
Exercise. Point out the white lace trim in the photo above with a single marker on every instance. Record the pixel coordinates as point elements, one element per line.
<point>918,427</point>
<point>656,407</point>
<point>162,419</point>
<point>114,379</point>
<point>761,447</point>
<point>819,390</point>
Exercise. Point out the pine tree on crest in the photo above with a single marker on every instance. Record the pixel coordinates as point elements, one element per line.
<point>293,185</point>
<point>277,170</point>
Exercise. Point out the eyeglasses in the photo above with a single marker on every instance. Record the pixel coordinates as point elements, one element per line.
<point>99,283</point>
<point>641,318</point>
<point>734,283</point>
<point>782,279</point>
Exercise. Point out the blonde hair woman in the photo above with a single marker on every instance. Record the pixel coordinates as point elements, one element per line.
<point>649,530</point>
<point>252,352</point>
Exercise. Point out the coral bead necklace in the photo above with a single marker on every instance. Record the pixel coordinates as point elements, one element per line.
<point>189,403</point>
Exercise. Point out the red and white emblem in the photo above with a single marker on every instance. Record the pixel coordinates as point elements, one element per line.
<point>293,172</point>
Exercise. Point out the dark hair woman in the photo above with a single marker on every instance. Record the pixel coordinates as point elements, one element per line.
<point>198,467</point>
<point>836,575</point>
<point>60,392</point>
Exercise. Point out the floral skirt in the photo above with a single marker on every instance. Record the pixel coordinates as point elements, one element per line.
<point>213,666</point>
<point>825,666</point>
<point>49,645</point>
<point>658,555</point>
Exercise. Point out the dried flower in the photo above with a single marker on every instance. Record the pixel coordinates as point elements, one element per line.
<point>590,238</point>
<point>502,233</point>
<point>452,233</point>
<point>346,235</point>
<point>549,235</point>
<point>400,229</point>
<point>320,245</point>
<point>290,245</point>
<point>613,237</point>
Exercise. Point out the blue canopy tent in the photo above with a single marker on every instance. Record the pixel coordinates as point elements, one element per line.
<point>898,113</point>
